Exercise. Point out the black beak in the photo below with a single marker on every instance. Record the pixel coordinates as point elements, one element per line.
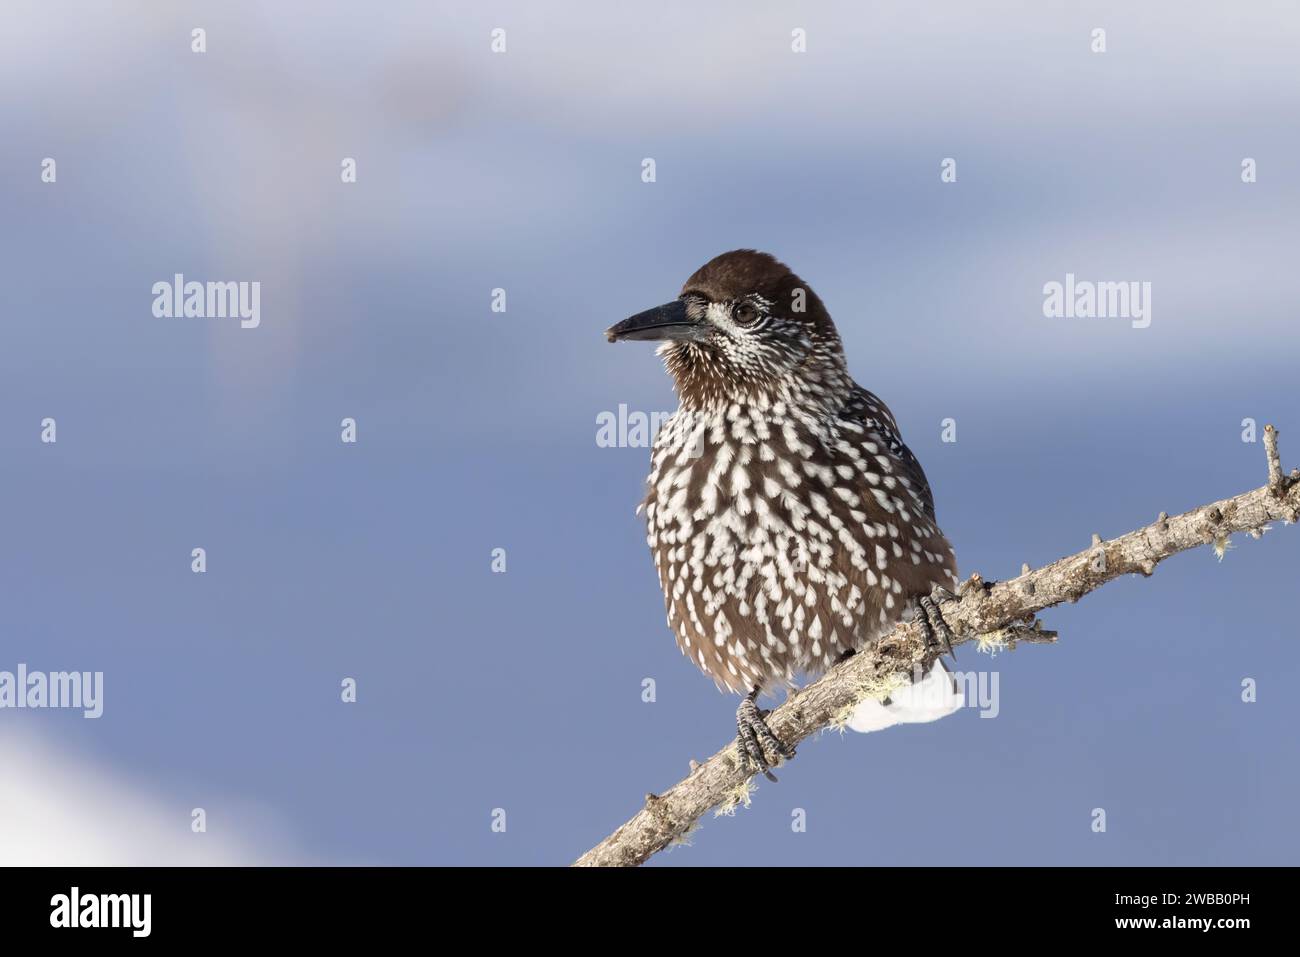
<point>668,321</point>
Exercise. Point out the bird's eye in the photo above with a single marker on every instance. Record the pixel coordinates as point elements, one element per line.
<point>745,313</point>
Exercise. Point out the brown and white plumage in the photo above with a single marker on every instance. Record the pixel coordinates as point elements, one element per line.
<point>788,522</point>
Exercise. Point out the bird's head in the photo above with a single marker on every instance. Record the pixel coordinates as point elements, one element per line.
<point>744,325</point>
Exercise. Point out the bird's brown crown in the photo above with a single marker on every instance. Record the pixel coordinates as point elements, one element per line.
<point>740,273</point>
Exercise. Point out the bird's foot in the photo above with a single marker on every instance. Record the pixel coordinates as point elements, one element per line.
<point>754,738</point>
<point>938,636</point>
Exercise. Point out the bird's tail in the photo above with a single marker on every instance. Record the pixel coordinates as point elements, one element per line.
<point>931,697</point>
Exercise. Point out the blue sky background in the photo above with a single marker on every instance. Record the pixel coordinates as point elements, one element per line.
<point>477,430</point>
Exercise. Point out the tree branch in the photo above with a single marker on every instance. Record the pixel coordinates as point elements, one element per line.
<point>1000,612</point>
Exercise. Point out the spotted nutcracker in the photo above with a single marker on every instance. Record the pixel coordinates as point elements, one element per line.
<point>789,524</point>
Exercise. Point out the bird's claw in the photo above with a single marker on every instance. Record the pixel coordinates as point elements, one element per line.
<point>754,738</point>
<point>938,636</point>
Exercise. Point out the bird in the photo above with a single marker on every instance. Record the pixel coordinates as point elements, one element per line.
<point>789,524</point>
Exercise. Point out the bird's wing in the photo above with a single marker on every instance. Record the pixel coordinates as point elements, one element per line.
<point>877,417</point>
